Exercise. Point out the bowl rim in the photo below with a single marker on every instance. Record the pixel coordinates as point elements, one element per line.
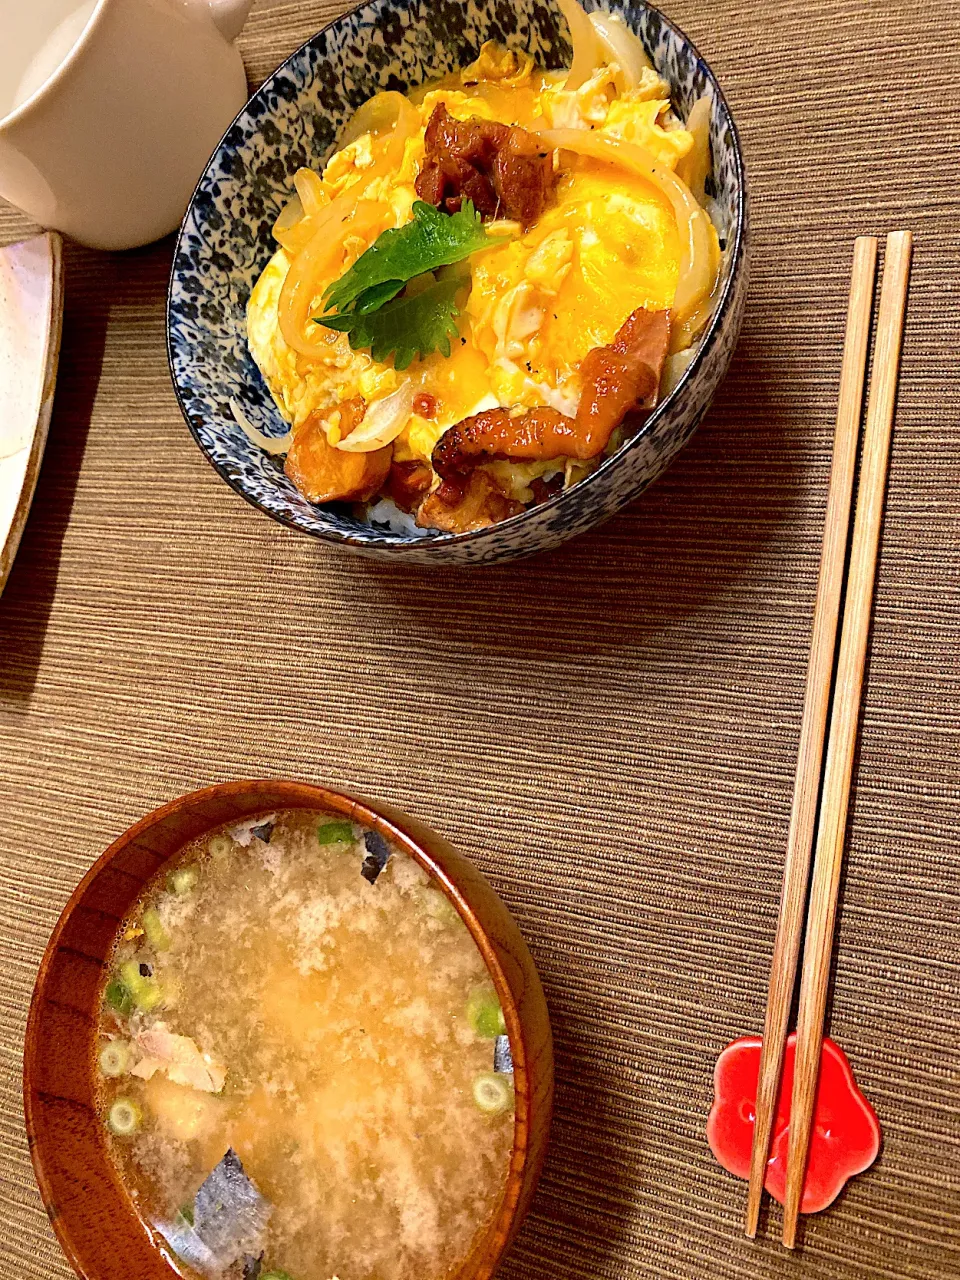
<point>533,1112</point>
<point>393,544</point>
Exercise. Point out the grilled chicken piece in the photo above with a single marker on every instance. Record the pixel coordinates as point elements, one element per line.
<point>408,483</point>
<point>621,377</point>
<point>477,504</point>
<point>616,379</point>
<point>503,169</point>
<point>325,474</point>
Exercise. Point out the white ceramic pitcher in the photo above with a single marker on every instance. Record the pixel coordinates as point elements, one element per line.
<point>109,110</point>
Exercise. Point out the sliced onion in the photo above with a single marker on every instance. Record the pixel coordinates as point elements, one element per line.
<point>382,422</point>
<point>697,265</point>
<point>290,215</point>
<point>583,37</point>
<point>694,168</point>
<point>310,189</point>
<point>378,115</point>
<point>674,367</point>
<point>274,445</point>
<point>297,238</point>
<point>349,214</point>
<point>315,264</point>
<point>297,223</point>
<point>618,44</point>
<point>294,229</point>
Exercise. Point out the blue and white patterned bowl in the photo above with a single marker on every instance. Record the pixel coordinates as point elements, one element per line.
<point>294,120</point>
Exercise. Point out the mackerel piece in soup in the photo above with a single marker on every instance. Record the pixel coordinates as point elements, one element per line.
<point>303,1065</point>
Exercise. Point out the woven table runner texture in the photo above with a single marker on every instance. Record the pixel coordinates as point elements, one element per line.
<point>609,730</point>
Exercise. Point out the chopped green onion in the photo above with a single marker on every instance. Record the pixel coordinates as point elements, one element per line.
<point>335,833</point>
<point>485,1015</point>
<point>185,1215</point>
<point>183,880</point>
<point>114,1058</point>
<point>276,1275</point>
<point>493,1093</point>
<point>124,1118</point>
<point>144,992</point>
<point>157,935</point>
<point>118,997</point>
<point>440,907</point>
<point>220,846</point>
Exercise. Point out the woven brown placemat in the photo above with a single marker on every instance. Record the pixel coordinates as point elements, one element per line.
<point>609,730</point>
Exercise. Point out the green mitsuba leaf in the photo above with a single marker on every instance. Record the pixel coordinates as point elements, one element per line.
<point>431,240</point>
<point>413,325</point>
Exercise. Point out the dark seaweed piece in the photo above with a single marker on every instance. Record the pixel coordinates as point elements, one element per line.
<point>146,970</point>
<point>252,1266</point>
<point>264,831</point>
<point>378,855</point>
<point>502,1057</point>
<point>230,1214</point>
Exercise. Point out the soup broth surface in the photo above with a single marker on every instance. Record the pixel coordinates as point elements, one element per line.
<point>296,1014</point>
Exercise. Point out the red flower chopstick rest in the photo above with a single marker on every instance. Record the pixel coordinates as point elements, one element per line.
<point>846,1133</point>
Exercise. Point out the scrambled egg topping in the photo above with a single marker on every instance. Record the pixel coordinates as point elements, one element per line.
<point>539,299</point>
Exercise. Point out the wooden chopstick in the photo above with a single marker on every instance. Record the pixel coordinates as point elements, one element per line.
<point>786,947</point>
<point>843,724</point>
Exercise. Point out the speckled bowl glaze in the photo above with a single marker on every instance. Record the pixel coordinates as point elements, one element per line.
<point>294,120</point>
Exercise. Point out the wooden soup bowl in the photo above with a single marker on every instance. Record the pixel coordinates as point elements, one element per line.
<point>92,1214</point>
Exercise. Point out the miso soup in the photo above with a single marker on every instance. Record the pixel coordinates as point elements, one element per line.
<point>302,1062</point>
